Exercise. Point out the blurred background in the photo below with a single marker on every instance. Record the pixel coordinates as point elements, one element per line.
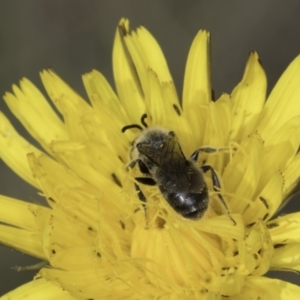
<point>74,36</point>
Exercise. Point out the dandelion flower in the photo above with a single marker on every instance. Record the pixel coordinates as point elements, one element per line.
<point>98,239</point>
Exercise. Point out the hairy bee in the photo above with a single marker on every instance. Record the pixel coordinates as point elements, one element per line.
<point>158,154</point>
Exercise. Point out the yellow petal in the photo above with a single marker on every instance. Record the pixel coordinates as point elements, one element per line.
<point>52,176</point>
<point>58,89</point>
<point>197,81</point>
<point>283,102</point>
<point>288,132</point>
<point>70,104</point>
<point>19,213</point>
<point>92,176</point>
<point>174,116</point>
<point>154,101</point>
<point>80,197</point>
<point>223,118</point>
<point>100,166</point>
<point>267,201</point>
<point>74,258</point>
<point>281,149</point>
<point>32,109</point>
<point>242,173</point>
<point>222,226</point>
<point>272,163</point>
<point>216,131</point>
<point>173,109</point>
<point>97,131</point>
<point>148,56</point>
<point>285,229</point>
<point>248,99</point>
<point>102,95</point>
<point>232,284</point>
<point>263,288</point>
<point>57,242</point>
<point>97,283</point>
<point>291,174</point>
<point>150,53</point>
<point>28,242</point>
<point>197,116</point>
<point>127,83</point>
<point>39,289</point>
<point>259,241</point>
<point>286,257</point>
<point>14,150</point>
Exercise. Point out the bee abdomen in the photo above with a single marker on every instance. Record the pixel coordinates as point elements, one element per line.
<point>188,205</point>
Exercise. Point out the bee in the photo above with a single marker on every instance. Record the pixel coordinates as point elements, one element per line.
<point>160,159</point>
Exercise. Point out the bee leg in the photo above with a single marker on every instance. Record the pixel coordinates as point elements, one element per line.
<point>142,198</point>
<point>216,183</point>
<point>131,164</point>
<point>140,194</point>
<point>141,165</point>
<point>208,150</point>
<point>143,168</point>
<point>145,180</point>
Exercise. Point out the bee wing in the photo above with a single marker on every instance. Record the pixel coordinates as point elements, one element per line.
<point>181,175</point>
<point>172,154</point>
<point>174,172</point>
<point>168,153</point>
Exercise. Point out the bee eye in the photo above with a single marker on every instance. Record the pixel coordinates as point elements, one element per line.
<point>171,133</point>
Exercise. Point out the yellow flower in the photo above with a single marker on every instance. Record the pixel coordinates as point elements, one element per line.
<point>98,239</point>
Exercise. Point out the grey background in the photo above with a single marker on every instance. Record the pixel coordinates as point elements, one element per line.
<point>75,36</point>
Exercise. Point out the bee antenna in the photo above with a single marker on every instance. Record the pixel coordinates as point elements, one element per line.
<point>144,116</point>
<point>132,126</point>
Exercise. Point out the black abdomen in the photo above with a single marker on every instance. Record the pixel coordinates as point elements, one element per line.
<point>188,205</point>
